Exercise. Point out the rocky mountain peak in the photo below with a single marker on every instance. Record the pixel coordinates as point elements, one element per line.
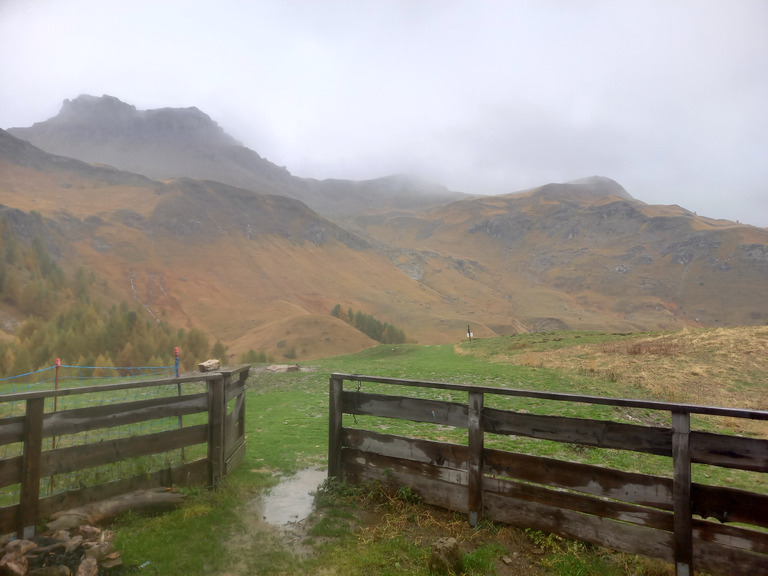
<point>104,120</point>
<point>86,108</point>
<point>590,188</point>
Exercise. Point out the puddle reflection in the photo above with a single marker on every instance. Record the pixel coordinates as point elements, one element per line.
<point>292,499</point>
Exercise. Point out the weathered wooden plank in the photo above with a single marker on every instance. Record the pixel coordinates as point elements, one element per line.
<point>630,513</point>
<point>62,392</point>
<point>732,536</point>
<point>335,429</point>
<point>729,451</point>
<point>241,413</point>
<point>188,474</point>
<point>233,430</point>
<point>237,373</point>
<point>729,504</point>
<point>9,517</point>
<point>720,560</point>
<point>63,460</point>
<point>429,451</point>
<point>31,467</point>
<point>234,457</point>
<point>11,430</point>
<point>10,471</point>
<point>439,487</point>
<point>681,493</point>
<point>604,434</point>
<point>234,447</point>
<point>350,456</point>
<point>234,390</point>
<point>601,531</point>
<point>405,408</point>
<point>111,415</point>
<point>216,413</point>
<point>475,445</point>
<point>629,487</point>
<point>563,397</point>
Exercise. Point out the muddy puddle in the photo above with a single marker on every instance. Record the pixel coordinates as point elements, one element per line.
<point>291,501</point>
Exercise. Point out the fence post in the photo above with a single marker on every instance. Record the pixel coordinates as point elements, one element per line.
<point>335,428</point>
<point>241,416</point>
<point>476,443</point>
<point>30,470</point>
<point>216,413</point>
<point>681,493</point>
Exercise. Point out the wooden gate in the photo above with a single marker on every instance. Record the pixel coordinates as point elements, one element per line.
<point>668,517</point>
<point>41,444</point>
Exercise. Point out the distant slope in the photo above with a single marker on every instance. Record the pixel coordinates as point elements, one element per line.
<point>185,142</point>
<point>257,271</point>
<point>587,255</point>
<point>263,271</point>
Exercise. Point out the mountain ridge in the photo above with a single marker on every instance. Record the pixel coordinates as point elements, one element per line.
<point>185,142</point>
<point>252,267</point>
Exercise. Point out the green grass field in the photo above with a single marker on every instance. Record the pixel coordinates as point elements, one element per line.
<point>287,430</point>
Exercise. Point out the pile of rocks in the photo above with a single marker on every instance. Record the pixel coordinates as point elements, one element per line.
<point>84,551</point>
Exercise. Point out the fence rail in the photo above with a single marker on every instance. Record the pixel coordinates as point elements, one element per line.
<point>213,402</point>
<point>664,517</point>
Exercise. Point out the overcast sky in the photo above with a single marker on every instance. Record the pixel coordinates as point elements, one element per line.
<point>667,97</point>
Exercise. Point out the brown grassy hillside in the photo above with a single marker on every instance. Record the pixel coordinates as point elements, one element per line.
<point>263,272</point>
<point>255,271</point>
<point>714,367</point>
<point>590,257</point>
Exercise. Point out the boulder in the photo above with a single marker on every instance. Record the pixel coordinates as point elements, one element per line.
<point>445,558</point>
<point>209,365</point>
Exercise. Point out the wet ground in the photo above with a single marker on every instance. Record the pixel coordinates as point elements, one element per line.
<point>291,500</point>
<point>283,512</point>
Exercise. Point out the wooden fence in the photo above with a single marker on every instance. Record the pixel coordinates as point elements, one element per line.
<point>214,403</point>
<point>657,516</point>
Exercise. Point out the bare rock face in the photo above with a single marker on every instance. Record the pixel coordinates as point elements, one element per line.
<point>445,558</point>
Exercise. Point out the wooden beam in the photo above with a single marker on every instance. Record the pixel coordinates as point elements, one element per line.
<point>189,474</point>
<point>335,412</point>
<point>629,513</point>
<point>10,470</point>
<point>632,487</point>
<point>30,470</point>
<point>564,397</point>
<point>729,451</point>
<point>475,476</point>
<point>729,504</point>
<point>630,538</point>
<point>681,479</point>
<point>112,415</point>
<point>405,408</point>
<point>216,413</point>
<point>71,458</point>
<point>437,486</point>
<point>600,433</point>
<point>442,454</point>
<point>11,430</point>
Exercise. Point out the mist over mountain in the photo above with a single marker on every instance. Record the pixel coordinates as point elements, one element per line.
<point>185,142</point>
<point>219,238</point>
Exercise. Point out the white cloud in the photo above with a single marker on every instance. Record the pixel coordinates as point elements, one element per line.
<point>668,98</point>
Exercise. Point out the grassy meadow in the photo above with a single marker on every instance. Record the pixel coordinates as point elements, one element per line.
<point>364,531</point>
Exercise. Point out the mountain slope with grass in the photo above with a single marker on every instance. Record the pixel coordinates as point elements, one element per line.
<point>206,233</point>
<point>587,255</point>
<point>256,271</point>
<point>360,529</point>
